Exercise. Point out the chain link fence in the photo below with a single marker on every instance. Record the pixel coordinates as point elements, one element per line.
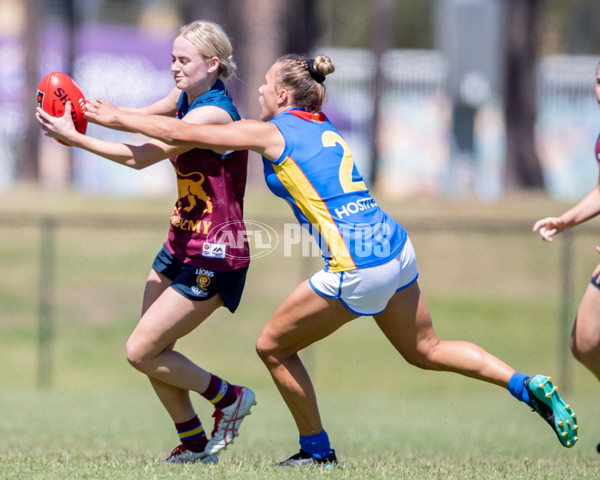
<point>69,278</point>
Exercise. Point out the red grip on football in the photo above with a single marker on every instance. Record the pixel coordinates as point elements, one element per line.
<point>55,89</point>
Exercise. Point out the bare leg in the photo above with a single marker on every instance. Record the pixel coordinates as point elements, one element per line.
<point>407,324</point>
<point>585,338</point>
<point>166,317</point>
<point>176,401</point>
<point>302,319</point>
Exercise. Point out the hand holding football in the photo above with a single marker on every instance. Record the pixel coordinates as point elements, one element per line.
<point>56,89</point>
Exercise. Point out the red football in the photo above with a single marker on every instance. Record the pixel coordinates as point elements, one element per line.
<point>55,89</point>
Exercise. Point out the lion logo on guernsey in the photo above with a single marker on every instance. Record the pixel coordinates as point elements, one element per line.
<point>190,192</point>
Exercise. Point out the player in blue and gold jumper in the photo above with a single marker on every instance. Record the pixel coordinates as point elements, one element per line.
<point>370,265</point>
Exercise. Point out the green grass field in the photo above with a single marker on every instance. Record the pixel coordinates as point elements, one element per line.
<point>98,418</point>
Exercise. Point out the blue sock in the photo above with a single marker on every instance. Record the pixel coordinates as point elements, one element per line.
<point>516,386</point>
<point>317,445</point>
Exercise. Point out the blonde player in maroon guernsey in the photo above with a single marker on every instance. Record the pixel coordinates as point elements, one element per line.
<point>195,272</point>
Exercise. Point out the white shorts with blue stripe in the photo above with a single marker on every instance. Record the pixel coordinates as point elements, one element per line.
<point>366,291</point>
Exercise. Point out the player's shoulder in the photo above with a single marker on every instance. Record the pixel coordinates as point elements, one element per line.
<point>207,115</point>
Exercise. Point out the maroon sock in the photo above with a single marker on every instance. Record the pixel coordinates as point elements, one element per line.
<point>220,392</point>
<point>192,435</point>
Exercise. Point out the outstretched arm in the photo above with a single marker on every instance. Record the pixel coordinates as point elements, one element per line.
<point>165,106</point>
<point>586,209</point>
<point>133,156</point>
<point>261,137</point>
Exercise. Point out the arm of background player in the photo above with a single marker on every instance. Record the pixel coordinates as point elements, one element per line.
<point>587,208</point>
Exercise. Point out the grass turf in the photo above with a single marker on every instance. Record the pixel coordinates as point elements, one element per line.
<point>98,418</point>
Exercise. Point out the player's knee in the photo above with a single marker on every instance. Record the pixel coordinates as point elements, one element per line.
<point>582,354</point>
<point>262,348</point>
<point>267,350</point>
<point>424,356</point>
<point>574,347</point>
<point>582,349</point>
<point>135,354</point>
<point>420,361</point>
<point>588,358</point>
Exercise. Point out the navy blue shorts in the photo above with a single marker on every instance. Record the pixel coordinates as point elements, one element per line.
<point>593,281</point>
<point>198,283</point>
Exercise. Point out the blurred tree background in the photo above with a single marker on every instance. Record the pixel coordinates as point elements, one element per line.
<point>264,29</point>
